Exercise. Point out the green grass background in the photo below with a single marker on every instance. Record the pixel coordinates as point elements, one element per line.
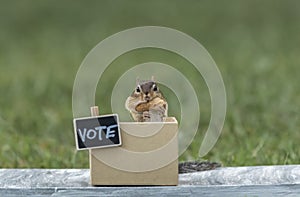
<point>254,43</point>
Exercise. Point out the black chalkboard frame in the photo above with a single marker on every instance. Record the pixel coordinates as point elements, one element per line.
<point>77,140</point>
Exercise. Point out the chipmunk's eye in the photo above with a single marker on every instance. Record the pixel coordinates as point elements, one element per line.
<point>138,90</point>
<point>155,88</point>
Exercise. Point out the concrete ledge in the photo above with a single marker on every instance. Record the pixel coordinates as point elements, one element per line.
<point>233,181</point>
<point>224,191</point>
<point>239,176</point>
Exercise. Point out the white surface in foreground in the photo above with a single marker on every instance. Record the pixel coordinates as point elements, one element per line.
<point>256,175</point>
<point>79,178</point>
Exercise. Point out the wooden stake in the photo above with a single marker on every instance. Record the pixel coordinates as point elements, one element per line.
<point>94,111</point>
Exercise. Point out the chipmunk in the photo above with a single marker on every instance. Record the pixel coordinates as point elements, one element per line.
<point>147,103</point>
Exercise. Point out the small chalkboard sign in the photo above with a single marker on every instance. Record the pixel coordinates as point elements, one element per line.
<point>97,132</point>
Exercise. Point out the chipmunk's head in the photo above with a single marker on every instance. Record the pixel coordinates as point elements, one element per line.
<point>146,90</point>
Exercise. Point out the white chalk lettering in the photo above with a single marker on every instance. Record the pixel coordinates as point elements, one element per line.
<point>82,135</point>
<point>91,134</point>
<point>111,133</point>
<point>100,128</point>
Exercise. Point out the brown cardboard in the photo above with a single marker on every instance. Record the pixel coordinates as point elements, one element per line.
<point>148,156</point>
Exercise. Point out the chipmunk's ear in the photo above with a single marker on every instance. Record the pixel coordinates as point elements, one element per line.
<point>137,81</point>
<point>152,78</point>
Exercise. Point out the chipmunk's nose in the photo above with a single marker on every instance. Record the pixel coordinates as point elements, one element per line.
<point>147,97</point>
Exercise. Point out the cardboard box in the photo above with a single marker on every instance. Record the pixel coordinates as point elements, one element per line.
<point>148,156</point>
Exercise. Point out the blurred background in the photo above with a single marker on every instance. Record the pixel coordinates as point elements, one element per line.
<point>254,43</point>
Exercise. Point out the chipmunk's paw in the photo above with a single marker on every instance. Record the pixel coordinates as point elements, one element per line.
<point>158,109</point>
<point>146,116</point>
<point>157,113</point>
